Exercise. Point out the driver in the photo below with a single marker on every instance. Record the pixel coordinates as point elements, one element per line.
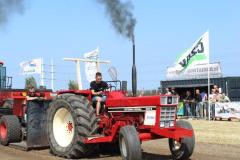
<point>31,94</point>
<point>97,87</point>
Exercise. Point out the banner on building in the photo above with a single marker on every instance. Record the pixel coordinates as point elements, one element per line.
<point>199,71</point>
<point>180,109</point>
<point>33,66</point>
<point>227,110</point>
<point>91,67</point>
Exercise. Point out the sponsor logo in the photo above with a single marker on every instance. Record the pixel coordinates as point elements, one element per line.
<point>199,48</point>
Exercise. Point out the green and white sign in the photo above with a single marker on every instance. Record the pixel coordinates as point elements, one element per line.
<point>193,63</point>
<point>198,53</point>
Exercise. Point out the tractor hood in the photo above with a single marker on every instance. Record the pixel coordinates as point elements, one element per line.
<point>118,100</point>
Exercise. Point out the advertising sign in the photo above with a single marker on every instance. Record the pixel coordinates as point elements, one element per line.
<point>227,110</point>
<point>33,66</point>
<point>195,72</point>
<point>91,67</point>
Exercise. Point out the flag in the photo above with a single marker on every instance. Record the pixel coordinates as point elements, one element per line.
<point>33,66</point>
<point>113,73</point>
<point>198,53</point>
<point>93,54</point>
<point>91,67</point>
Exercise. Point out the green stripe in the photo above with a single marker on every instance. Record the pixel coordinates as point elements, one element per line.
<point>197,57</point>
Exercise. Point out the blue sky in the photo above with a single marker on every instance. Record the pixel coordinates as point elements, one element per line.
<point>69,28</point>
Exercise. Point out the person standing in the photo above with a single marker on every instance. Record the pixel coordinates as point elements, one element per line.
<point>188,103</point>
<point>198,102</point>
<point>173,91</point>
<point>168,91</point>
<point>204,103</point>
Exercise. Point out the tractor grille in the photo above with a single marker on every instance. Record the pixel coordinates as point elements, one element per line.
<point>167,117</point>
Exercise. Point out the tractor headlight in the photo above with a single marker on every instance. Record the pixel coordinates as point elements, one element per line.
<point>171,123</point>
<point>166,124</point>
<point>162,124</point>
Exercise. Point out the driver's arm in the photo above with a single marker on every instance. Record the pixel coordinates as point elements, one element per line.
<point>96,93</point>
<point>31,98</point>
<point>106,86</point>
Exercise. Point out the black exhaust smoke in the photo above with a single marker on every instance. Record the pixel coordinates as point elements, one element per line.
<point>124,23</point>
<point>8,7</point>
<point>121,16</point>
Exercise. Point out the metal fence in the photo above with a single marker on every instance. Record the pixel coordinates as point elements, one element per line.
<point>198,110</point>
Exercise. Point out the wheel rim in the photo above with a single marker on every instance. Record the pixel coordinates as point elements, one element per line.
<point>176,145</point>
<point>63,127</point>
<point>3,130</point>
<point>123,147</point>
<point>177,149</point>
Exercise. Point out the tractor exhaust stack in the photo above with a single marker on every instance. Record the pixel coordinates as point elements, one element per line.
<point>134,71</point>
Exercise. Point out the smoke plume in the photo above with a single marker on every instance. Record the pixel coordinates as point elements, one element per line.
<point>121,16</point>
<point>9,7</point>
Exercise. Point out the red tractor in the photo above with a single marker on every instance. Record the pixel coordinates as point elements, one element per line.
<point>74,132</point>
<point>21,120</point>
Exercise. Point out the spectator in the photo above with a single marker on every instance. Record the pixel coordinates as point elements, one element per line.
<point>212,96</point>
<point>215,87</point>
<point>215,96</point>
<point>188,103</point>
<point>204,102</point>
<point>198,101</point>
<point>173,91</point>
<point>168,91</point>
<point>224,98</point>
<point>204,96</point>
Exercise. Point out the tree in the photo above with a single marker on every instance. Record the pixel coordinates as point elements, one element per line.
<point>30,81</point>
<point>73,85</point>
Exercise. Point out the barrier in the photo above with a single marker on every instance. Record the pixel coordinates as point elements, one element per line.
<point>227,110</point>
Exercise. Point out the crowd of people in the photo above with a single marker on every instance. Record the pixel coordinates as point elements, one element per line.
<point>196,102</point>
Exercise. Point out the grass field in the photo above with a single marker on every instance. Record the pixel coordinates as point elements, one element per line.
<point>217,132</point>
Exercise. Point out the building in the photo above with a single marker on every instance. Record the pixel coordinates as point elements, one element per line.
<point>229,85</point>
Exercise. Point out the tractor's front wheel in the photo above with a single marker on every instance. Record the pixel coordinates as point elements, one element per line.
<point>183,149</point>
<point>71,119</point>
<point>129,143</point>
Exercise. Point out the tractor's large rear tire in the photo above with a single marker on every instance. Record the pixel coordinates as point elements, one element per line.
<point>182,150</point>
<point>129,143</point>
<point>10,130</point>
<point>71,118</point>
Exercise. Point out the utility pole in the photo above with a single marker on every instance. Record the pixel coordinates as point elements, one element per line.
<point>42,73</point>
<point>78,70</point>
<point>52,75</point>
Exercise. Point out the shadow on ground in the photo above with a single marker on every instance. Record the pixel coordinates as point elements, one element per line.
<point>152,156</point>
<point>145,156</point>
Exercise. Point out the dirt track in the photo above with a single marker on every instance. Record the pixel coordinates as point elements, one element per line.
<point>153,150</point>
